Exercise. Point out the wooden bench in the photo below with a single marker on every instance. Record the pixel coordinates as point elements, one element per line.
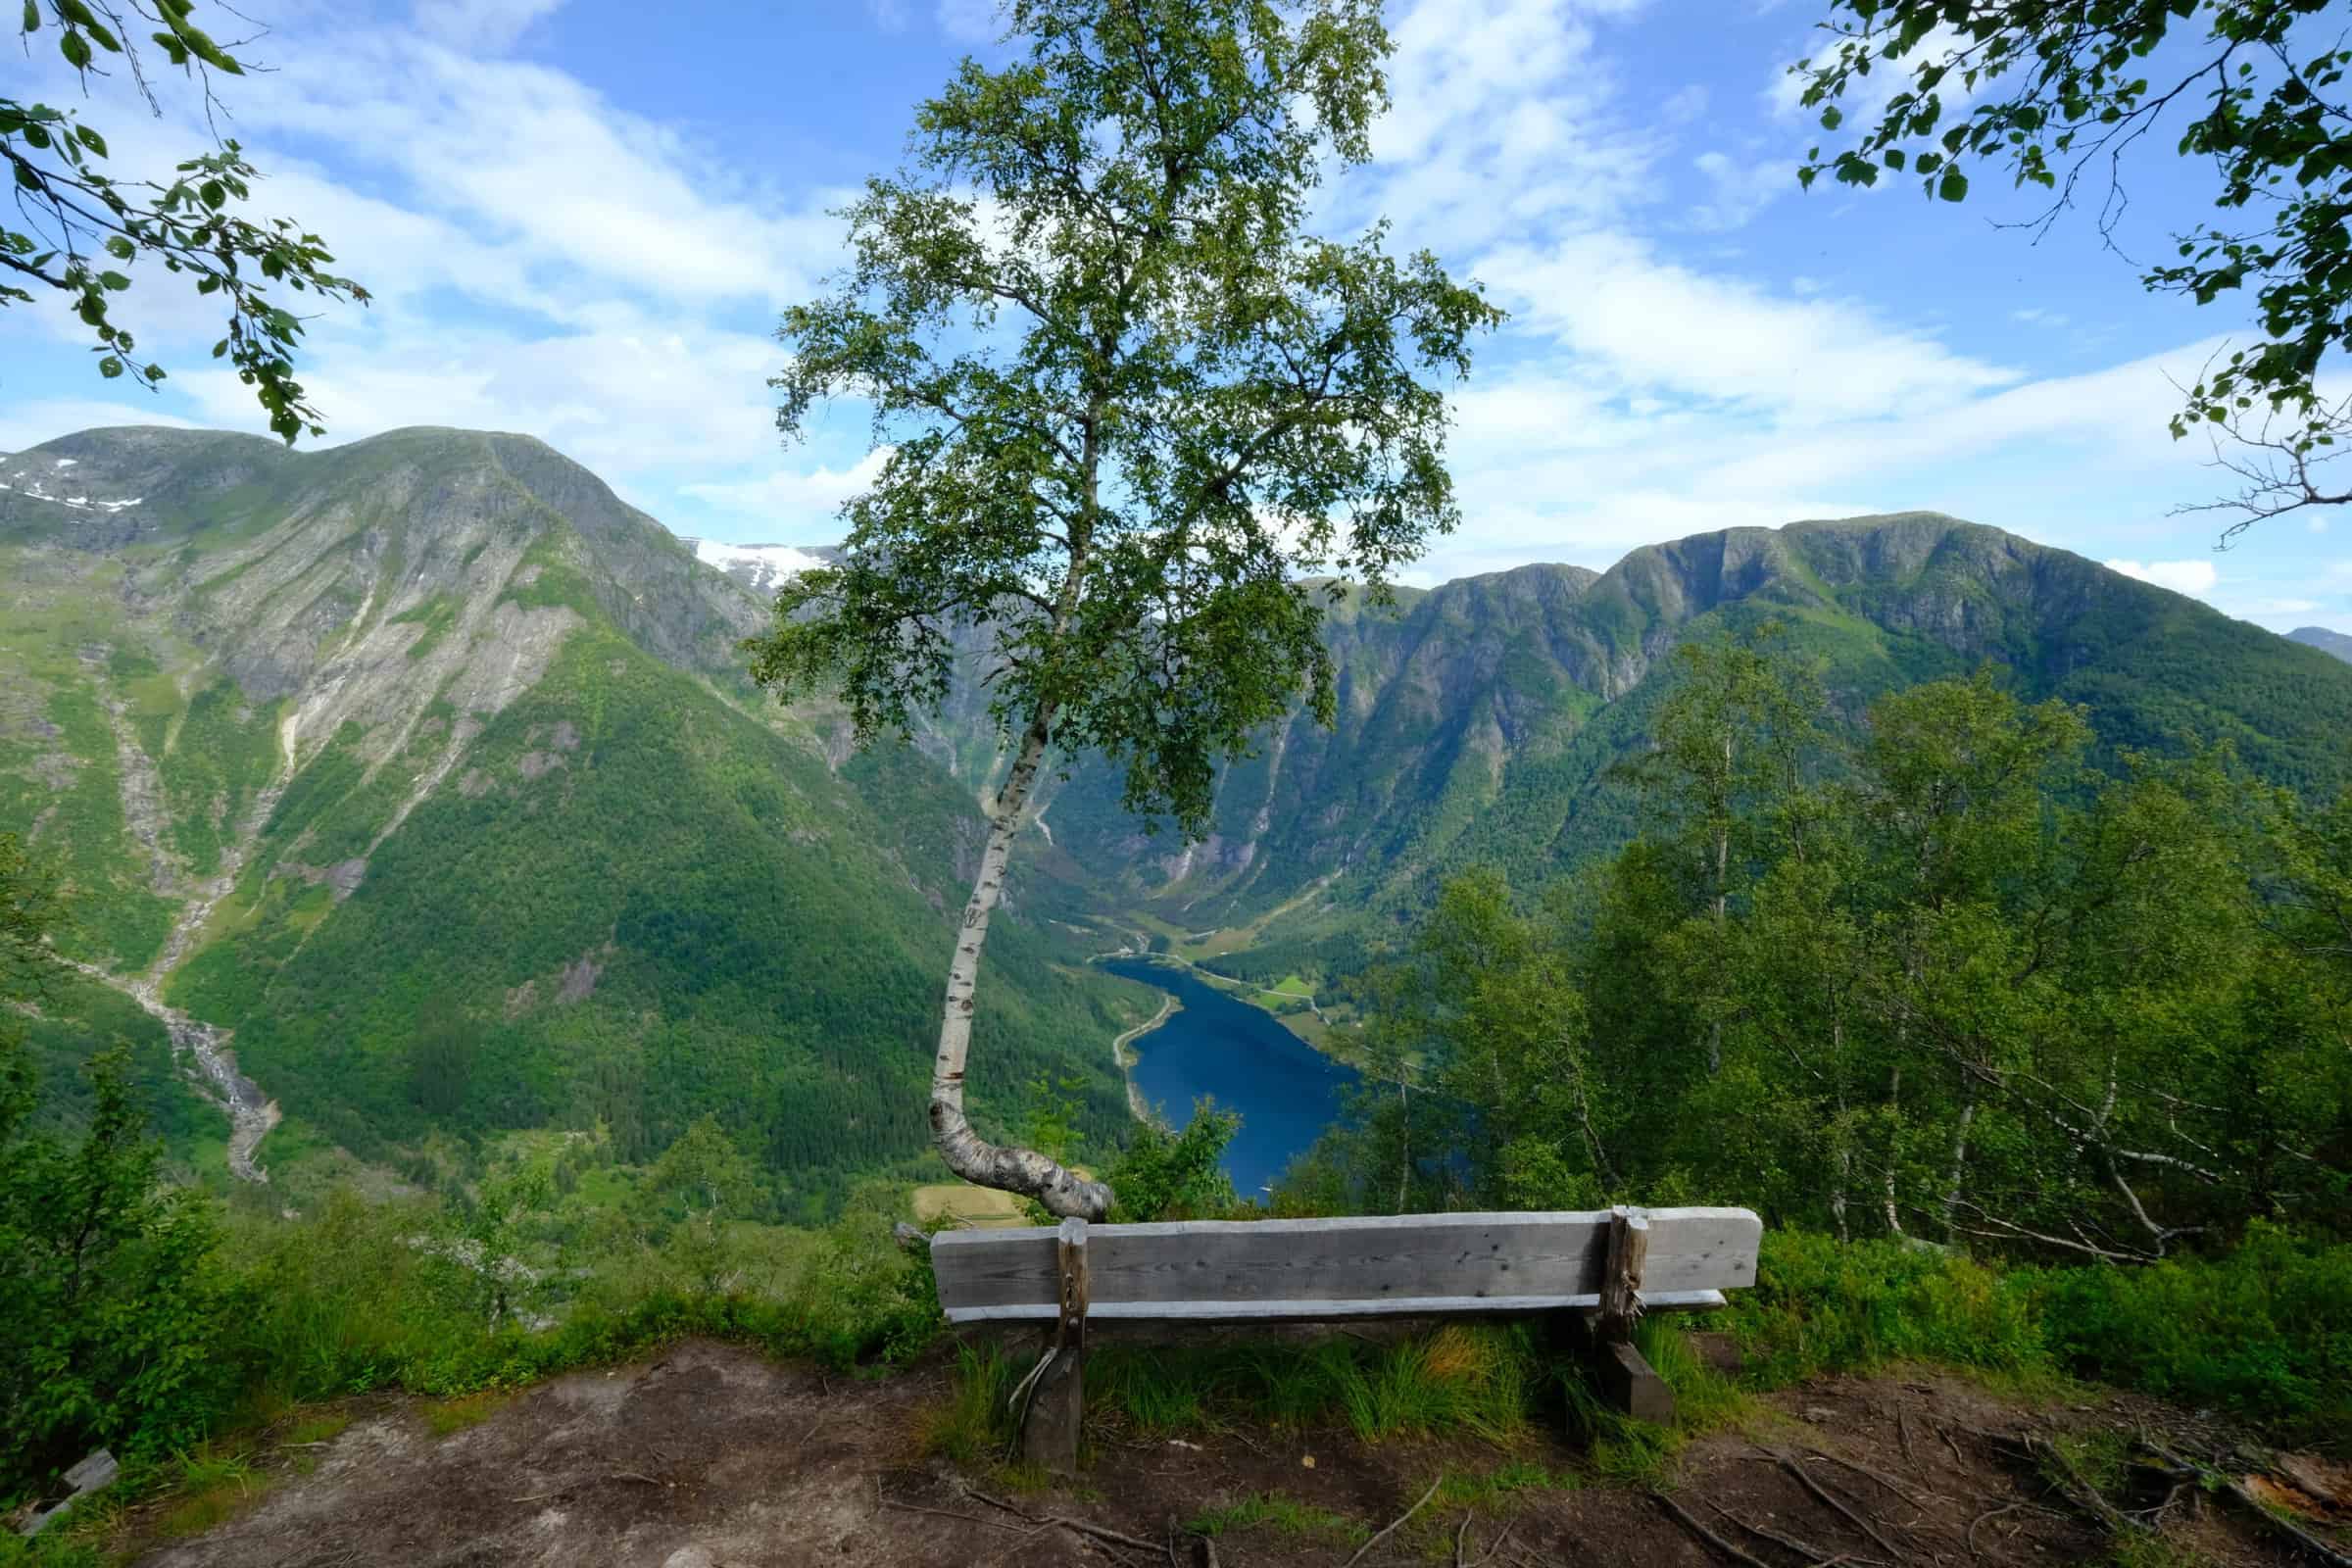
<point>1594,1271</point>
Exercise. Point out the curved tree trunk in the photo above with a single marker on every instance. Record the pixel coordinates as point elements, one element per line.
<point>967,1153</point>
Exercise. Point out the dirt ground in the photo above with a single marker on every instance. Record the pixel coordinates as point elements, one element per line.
<point>708,1456</point>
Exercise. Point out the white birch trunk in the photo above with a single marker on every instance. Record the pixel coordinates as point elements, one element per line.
<point>1951,1185</point>
<point>966,1153</point>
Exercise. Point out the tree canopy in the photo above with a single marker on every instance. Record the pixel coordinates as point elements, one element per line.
<point>1944,983</point>
<point>2058,90</point>
<point>1128,404</point>
<point>79,231</point>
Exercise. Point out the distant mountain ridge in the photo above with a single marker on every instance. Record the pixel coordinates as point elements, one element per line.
<point>1479,721</point>
<point>2326,641</point>
<point>321,737</point>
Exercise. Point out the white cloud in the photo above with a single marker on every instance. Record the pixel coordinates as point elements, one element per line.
<point>630,396</point>
<point>1739,191</point>
<point>531,162</point>
<point>1685,105</point>
<point>1865,99</point>
<point>1658,325</point>
<point>29,424</point>
<point>970,21</point>
<point>2193,577</point>
<point>481,25</point>
<point>787,501</point>
<point>2262,609</point>
<point>1502,119</point>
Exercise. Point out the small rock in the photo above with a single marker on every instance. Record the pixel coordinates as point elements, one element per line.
<point>1819,1413</point>
<point>98,1470</point>
<point>690,1557</point>
<point>93,1474</point>
<point>1307,1461</point>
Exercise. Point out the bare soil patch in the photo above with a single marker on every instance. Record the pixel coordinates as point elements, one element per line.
<point>710,1456</point>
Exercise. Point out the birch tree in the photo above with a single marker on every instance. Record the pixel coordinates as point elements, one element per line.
<point>1127,404</point>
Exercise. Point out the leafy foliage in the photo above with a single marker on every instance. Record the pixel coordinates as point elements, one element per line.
<point>111,1297</point>
<point>1127,405</point>
<point>106,1273</point>
<point>73,211</point>
<point>1179,1175</point>
<point>2048,89</point>
<point>1196,404</point>
<point>1943,981</point>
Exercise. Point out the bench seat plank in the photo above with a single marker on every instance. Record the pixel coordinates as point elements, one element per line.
<point>1326,1312</point>
<point>1373,1265</point>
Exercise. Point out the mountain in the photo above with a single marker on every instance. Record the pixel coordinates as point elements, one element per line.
<point>2326,641</point>
<point>428,768</point>
<point>1478,721</point>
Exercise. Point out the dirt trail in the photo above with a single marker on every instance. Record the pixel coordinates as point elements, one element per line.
<point>710,1458</point>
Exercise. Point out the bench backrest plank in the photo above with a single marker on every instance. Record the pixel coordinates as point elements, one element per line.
<point>1358,1266</point>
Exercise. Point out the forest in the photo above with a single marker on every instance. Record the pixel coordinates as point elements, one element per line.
<point>1943,982</point>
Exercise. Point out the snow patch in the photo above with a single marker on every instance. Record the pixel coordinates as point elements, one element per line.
<point>777,561</point>
<point>67,462</point>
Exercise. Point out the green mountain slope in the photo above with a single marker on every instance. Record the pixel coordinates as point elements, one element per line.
<point>1480,720</point>
<point>427,768</point>
<point>434,721</point>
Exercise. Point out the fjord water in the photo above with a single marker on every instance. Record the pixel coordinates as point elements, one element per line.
<point>1286,1091</point>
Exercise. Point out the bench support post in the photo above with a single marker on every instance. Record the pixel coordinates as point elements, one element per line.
<point>1626,1379</point>
<point>1049,1427</point>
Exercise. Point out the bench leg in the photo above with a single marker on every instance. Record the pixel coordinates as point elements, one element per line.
<point>1050,1431</point>
<point>1630,1385</point>
<point>1623,1376</point>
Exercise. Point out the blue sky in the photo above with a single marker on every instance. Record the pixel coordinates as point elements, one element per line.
<point>581,219</point>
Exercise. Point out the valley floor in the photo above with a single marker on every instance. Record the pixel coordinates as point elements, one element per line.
<point>709,1455</point>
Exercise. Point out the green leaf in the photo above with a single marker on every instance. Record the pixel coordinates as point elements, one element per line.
<point>120,248</point>
<point>33,16</point>
<point>109,366</point>
<point>75,48</point>
<point>91,139</point>
<point>113,280</point>
<point>1953,186</point>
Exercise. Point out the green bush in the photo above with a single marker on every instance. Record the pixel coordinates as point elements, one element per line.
<point>113,1296</point>
<point>1820,1304</point>
<point>2263,1332</point>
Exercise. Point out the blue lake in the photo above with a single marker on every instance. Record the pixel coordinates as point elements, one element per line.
<point>1286,1091</point>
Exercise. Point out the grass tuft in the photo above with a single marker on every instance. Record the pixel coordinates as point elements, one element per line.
<point>466,1410</point>
<point>1287,1516</point>
<point>212,1488</point>
<point>974,1426</point>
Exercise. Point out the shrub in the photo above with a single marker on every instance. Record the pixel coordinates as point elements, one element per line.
<point>2263,1330</point>
<point>114,1296</point>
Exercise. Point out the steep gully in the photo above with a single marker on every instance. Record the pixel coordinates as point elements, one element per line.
<point>251,1113</point>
